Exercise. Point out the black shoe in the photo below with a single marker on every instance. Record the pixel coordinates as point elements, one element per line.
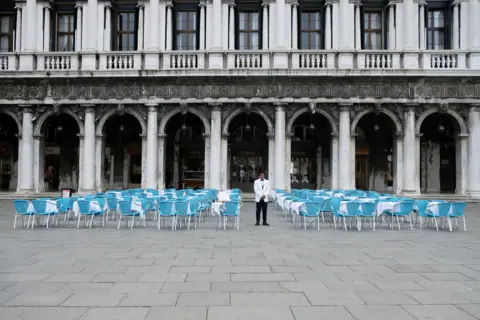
<point>265,224</point>
<point>257,224</point>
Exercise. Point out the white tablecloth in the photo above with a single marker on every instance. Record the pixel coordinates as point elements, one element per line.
<point>94,206</point>
<point>385,206</point>
<point>216,207</point>
<point>433,208</point>
<point>51,207</point>
<point>297,207</point>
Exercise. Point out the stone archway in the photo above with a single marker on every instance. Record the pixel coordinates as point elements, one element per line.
<point>10,133</point>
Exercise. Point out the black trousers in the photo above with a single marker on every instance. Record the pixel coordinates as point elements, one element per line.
<point>262,206</point>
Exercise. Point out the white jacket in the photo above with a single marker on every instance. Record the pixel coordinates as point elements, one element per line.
<point>261,188</point>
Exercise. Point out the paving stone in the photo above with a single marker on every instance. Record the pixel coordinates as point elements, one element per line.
<point>148,299</point>
<point>443,312</point>
<point>137,287</point>
<point>471,309</point>
<point>204,299</point>
<point>52,313</point>
<point>194,269</point>
<point>437,297</point>
<point>147,269</point>
<point>162,277</point>
<point>397,285</point>
<point>379,312</point>
<point>186,287</point>
<point>93,300</point>
<point>324,312</point>
<point>445,276</point>
<point>242,269</point>
<point>349,286</point>
<point>208,277</point>
<point>333,298</point>
<point>116,314</point>
<point>262,277</point>
<point>29,299</point>
<point>273,299</point>
<point>115,277</point>
<point>385,298</point>
<point>253,313</point>
<point>71,277</point>
<point>177,313</point>
<point>246,286</point>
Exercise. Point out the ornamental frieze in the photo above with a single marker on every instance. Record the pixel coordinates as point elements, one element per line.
<point>247,88</point>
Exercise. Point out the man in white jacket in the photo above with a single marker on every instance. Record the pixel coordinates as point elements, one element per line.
<point>262,190</point>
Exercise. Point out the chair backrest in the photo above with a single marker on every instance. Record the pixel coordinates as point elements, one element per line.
<point>443,209</point>
<point>151,204</point>
<point>127,198</point>
<point>312,208</point>
<point>40,206</point>
<point>422,207</point>
<point>405,207</point>
<point>110,195</point>
<point>124,206</point>
<point>234,196</point>
<point>21,206</point>
<point>180,193</point>
<point>142,195</point>
<point>100,194</point>
<point>352,207</point>
<point>112,203</point>
<point>327,205</point>
<point>63,204</point>
<point>335,204</point>
<point>166,207</point>
<point>88,197</point>
<point>100,201</point>
<point>458,209</point>
<point>368,208</point>
<point>84,206</point>
<point>182,206</point>
<point>231,208</point>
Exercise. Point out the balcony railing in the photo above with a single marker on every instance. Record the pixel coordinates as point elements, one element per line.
<point>302,61</point>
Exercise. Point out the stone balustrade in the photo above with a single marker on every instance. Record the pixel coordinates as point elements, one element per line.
<point>301,60</point>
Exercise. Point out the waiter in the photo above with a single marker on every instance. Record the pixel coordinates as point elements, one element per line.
<point>262,189</point>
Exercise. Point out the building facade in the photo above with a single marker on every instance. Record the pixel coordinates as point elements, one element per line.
<point>114,94</point>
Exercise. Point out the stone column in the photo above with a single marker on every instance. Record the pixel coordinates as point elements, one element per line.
<point>294,26</point>
<point>231,28</point>
<point>144,162</point>
<point>271,161</point>
<point>152,139</point>
<point>391,26</point>
<point>456,25</point>
<point>328,24</point>
<point>319,168</point>
<point>358,26</point>
<point>423,43</point>
<point>176,165</point>
<point>224,161</point>
<point>344,155</point>
<point>202,26</point>
<point>101,30</point>
<point>99,161</point>
<point>265,26</point>
<point>141,9</point>
<point>107,41</point>
<point>335,24</point>
<point>410,153</point>
<point>464,25</point>
<point>288,160</point>
<point>18,29</point>
<point>398,169</point>
<point>461,163</point>
<point>78,31</point>
<point>410,35</point>
<point>19,171</point>
<point>169,28</point>
<point>161,162</point>
<point>152,39</point>
<point>206,168</point>
<point>80,162</point>
<point>26,162</point>
<point>215,147</point>
<point>421,166</point>
<point>89,61</point>
<point>46,29</point>
<point>280,149</point>
<point>38,163</point>
<point>89,151</point>
<point>474,151</point>
<point>216,54</point>
<point>353,160</point>
<point>29,35</point>
<point>334,162</point>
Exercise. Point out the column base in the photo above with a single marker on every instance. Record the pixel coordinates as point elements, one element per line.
<point>215,60</point>
<point>87,191</point>
<point>27,61</point>
<point>280,60</point>
<point>473,59</point>
<point>89,61</point>
<point>345,59</point>
<point>152,61</point>
<point>407,193</point>
<point>475,194</point>
<point>25,191</point>
<point>411,59</point>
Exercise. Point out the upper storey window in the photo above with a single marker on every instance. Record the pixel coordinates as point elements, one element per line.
<point>65,40</point>
<point>249,30</point>
<point>436,39</point>
<point>126,22</point>
<point>372,30</point>
<point>186,30</point>
<point>6,33</point>
<point>310,30</point>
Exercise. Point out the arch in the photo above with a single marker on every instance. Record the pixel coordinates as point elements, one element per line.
<point>113,111</point>
<point>15,118</point>
<point>171,113</point>
<point>237,111</point>
<point>390,114</point>
<point>299,112</point>
<point>454,114</point>
<point>41,120</point>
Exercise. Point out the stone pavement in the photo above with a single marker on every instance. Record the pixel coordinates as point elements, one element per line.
<point>273,272</point>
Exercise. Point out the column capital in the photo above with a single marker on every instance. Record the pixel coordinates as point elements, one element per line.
<point>289,135</point>
<point>399,135</point>
<point>266,3</point>
<point>152,107</point>
<point>140,5</point>
<point>26,108</point>
<point>143,136</point>
<point>216,106</point>
<point>422,3</point>
<point>328,3</point>
<point>225,136</point>
<point>410,106</point>
<point>357,3</point>
<point>391,4</point>
<point>461,136</point>
<point>46,6</point>
<point>475,107</point>
<point>100,136</point>
<point>271,136</point>
<point>455,3</point>
<point>206,136</point>
<point>202,4</point>
<point>232,5</point>
<point>89,108</point>
<point>38,136</point>
<point>162,135</point>
<point>345,106</point>
<point>419,135</point>
<point>334,135</point>
<point>18,6</point>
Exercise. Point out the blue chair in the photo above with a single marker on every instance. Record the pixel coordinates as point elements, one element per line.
<point>64,206</point>
<point>125,209</point>
<point>403,209</point>
<point>326,208</point>
<point>231,209</point>
<point>151,206</point>
<point>166,209</point>
<point>40,207</point>
<point>21,208</point>
<point>311,210</point>
<point>84,210</point>
<point>112,206</point>
<point>421,209</point>
<point>183,209</point>
<point>458,211</point>
<point>352,210</point>
<point>440,210</point>
<point>368,211</point>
